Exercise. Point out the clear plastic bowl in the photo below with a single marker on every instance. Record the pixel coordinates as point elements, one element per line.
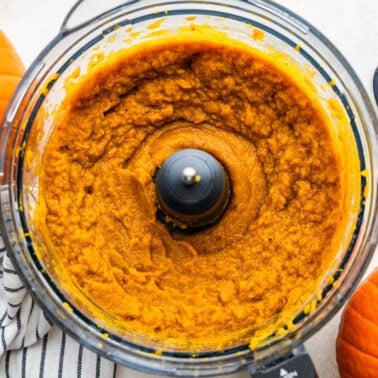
<point>42,88</point>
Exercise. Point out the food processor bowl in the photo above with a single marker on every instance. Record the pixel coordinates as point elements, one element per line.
<point>266,27</point>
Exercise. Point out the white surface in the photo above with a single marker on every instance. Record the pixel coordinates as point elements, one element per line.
<point>351,25</point>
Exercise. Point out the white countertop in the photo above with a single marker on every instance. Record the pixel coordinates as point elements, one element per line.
<point>351,25</point>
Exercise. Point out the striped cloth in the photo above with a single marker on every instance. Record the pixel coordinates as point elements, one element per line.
<point>33,347</point>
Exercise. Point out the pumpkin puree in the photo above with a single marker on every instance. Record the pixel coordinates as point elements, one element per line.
<point>98,201</point>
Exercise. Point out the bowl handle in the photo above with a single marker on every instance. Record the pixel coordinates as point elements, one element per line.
<point>84,12</point>
<point>296,364</point>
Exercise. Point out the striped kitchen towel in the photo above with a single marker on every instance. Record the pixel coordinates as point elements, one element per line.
<point>22,322</point>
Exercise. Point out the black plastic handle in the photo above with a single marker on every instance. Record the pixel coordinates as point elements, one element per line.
<point>298,364</point>
<point>375,85</point>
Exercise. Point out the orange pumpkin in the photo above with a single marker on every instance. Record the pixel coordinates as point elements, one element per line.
<point>11,71</point>
<point>357,342</point>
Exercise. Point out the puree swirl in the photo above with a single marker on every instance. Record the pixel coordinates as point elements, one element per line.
<point>261,259</point>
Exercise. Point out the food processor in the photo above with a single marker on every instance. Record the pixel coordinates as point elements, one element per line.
<point>83,42</point>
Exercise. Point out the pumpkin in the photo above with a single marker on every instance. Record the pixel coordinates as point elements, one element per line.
<point>357,341</point>
<point>11,70</point>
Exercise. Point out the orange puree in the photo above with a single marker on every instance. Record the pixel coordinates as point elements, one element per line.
<point>260,262</point>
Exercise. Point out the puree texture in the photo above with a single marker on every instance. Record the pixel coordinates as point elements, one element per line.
<point>98,204</point>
